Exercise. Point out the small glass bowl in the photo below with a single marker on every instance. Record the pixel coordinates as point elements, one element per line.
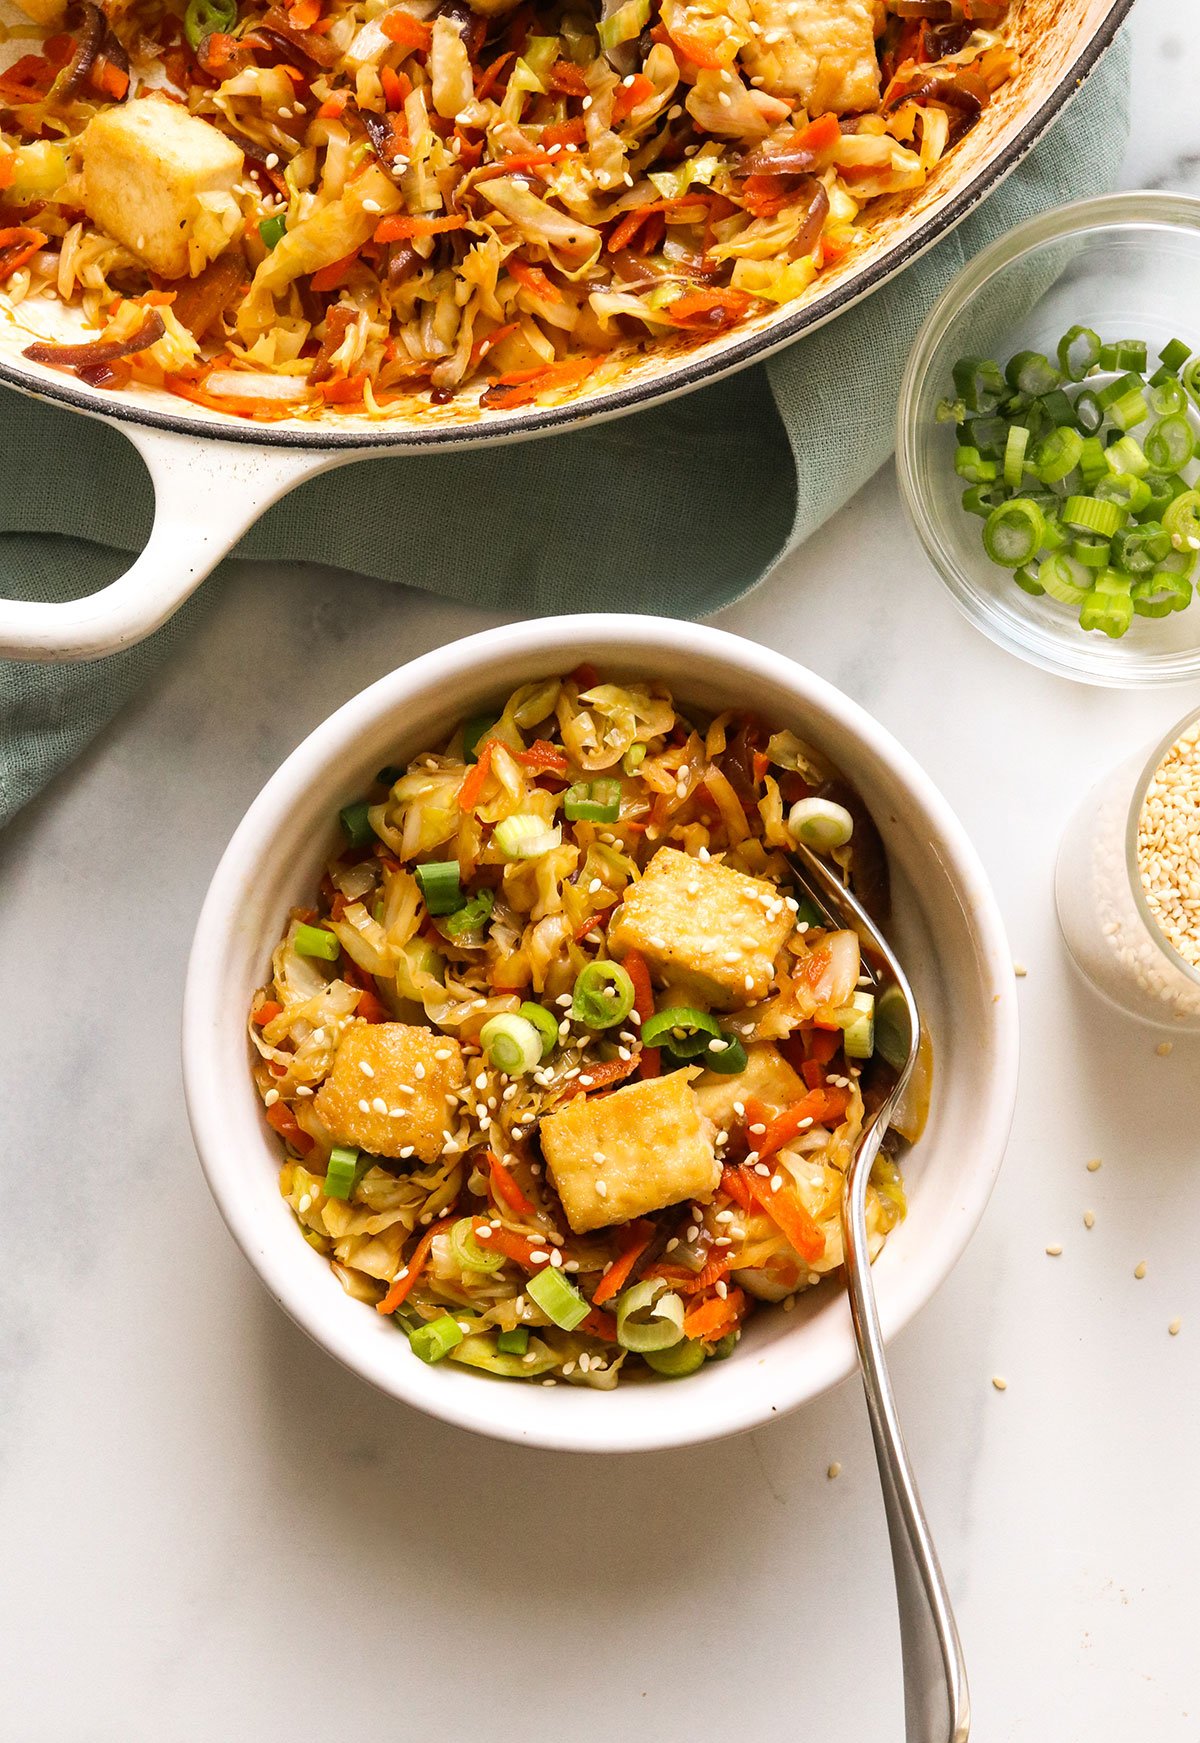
<point>1106,921</point>
<point>1127,265</point>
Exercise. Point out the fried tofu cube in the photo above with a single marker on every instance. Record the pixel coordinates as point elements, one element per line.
<point>821,52</point>
<point>711,931</point>
<point>639,1149</point>
<point>767,1078</point>
<point>161,182</point>
<point>390,1089</point>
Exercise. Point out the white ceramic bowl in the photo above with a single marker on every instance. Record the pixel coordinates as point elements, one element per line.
<point>946,926</point>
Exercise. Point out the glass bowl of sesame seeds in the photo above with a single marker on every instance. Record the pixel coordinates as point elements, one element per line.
<point>946,927</point>
<point>1127,883</point>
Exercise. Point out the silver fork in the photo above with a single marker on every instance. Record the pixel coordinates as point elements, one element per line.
<point>936,1702</point>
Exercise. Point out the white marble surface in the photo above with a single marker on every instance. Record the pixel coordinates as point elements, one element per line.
<point>212,1532</point>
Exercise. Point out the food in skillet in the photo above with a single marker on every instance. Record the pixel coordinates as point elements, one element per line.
<point>566,1075</point>
<point>273,208</point>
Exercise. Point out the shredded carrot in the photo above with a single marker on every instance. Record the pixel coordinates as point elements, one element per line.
<point>396,87</point>
<point>696,51</point>
<point>266,1013</point>
<point>820,1107</point>
<point>635,1238</point>
<point>820,135</point>
<point>538,162</point>
<point>519,1248</point>
<point>534,280</point>
<point>328,278</point>
<point>17,247</point>
<point>471,790</point>
<point>111,80</point>
<point>787,1211</point>
<point>565,76</point>
<point>733,1185</point>
<point>599,1325</point>
<point>708,309</point>
<point>543,758</point>
<point>643,992</point>
<point>333,106</point>
<point>304,14</point>
<point>506,1187</point>
<point>524,386</point>
<point>489,341</point>
<point>401,27</point>
<point>490,74</point>
<point>628,96</point>
<point>624,231</point>
<point>283,1120</point>
<point>813,1073</point>
<point>371,1008</point>
<point>400,227</point>
<point>400,1289</point>
<point>564,133</point>
<point>710,1320</point>
<point>8,169</point>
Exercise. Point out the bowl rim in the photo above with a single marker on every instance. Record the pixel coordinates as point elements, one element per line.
<point>1091,663</point>
<point>215,1121</point>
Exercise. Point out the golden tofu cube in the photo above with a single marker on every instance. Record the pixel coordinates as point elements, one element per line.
<point>161,182</point>
<point>767,1077</point>
<point>819,51</point>
<point>622,1155</point>
<point>390,1088</point>
<point>711,931</point>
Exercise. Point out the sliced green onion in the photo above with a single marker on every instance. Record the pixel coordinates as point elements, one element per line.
<point>726,1055</point>
<point>1189,375</point>
<point>820,824</point>
<point>1161,593</point>
<point>1078,351</point>
<point>1167,398</point>
<point>1122,488</point>
<point>1182,520</point>
<point>981,499</point>
<point>1029,372</point>
<point>1174,354</point>
<point>1113,391</point>
<point>979,383</point>
<point>440,883</point>
<point>1092,464</point>
<point>987,434</point>
<point>316,941</point>
<point>389,774</point>
<point>513,1343</point>
<point>541,1020</point>
<point>679,1361</point>
<point>1064,579</point>
<point>970,465</point>
<point>436,1338</point>
<point>603,995</point>
<point>1026,579</point>
<point>724,1348</point>
<point>1091,550</point>
<point>593,802</point>
<point>1014,455</point>
<point>469,1252</point>
<point>1164,487</point>
<point>1130,410</point>
<point>1058,409</point>
<point>273,231</point>
<point>1089,413</point>
<point>1057,455</point>
<point>1091,515</point>
<point>475,731</point>
<point>1109,612</point>
<point>471,917</point>
<point>1169,445</point>
<point>526,836</point>
<point>1127,455</point>
<point>511,1044</point>
<point>808,914</point>
<point>660,1322</point>
<point>684,1029</point>
<point>559,1300</point>
<point>1124,354</point>
<point>356,823</point>
<point>342,1172</point>
<point>1012,534</point>
<point>858,1037</point>
<point>1138,549</point>
<point>206,17</point>
<point>1053,536</point>
<point>633,759</point>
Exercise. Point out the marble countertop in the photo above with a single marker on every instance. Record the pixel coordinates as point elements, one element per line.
<point>212,1531</point>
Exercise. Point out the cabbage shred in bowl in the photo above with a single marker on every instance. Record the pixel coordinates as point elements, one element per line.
<point>567,1076</point>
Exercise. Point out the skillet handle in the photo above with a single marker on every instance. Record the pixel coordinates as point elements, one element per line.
<point>206,494</point>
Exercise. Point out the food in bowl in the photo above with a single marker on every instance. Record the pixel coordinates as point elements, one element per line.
<point>567,1075</point>
<point>345,202</point>
<point>1080,470</point>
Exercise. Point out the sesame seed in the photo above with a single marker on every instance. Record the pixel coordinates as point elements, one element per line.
<point>1054,1250</point>
<point>481,1081</point>
<point>1093,1165</point>
<point>758,1129</point>
<point>367,1069</point>
<point>722,1288</point>
<point>443,1053</point>
<point>601,1189</point>
<point>1163,1049</point>
<point>272,160</point>
<point>693,1231</point>
<point>538,1257</point>
<point>364,1107</point>
<point>657,943</point>
<point>776,1182</point>
<point>305,1202</point>
<point>672,1243</point>
<point>1020,970</point>
<point>1139,1270</point>
<point>418,1071</point>
<point>1089,1219</point>
<point>788,1303</point>
<point>1174,1326</point>
<point>760,1168</point>
<point>271,1097</point>
<point>999,1383</point>
<point>749,983</point>
<point>835,1470</point>
<point>595,886</point>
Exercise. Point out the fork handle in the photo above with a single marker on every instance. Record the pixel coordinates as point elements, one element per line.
<point>936,1702</point>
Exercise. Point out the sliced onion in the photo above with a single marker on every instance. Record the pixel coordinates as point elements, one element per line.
<point>98,351</point>
<point>91,36</point>
<point>241,384</point>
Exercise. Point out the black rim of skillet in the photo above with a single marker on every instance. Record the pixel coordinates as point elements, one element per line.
<point>700,372</point>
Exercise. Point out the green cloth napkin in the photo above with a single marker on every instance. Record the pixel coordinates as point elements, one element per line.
<point>677,510</point>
